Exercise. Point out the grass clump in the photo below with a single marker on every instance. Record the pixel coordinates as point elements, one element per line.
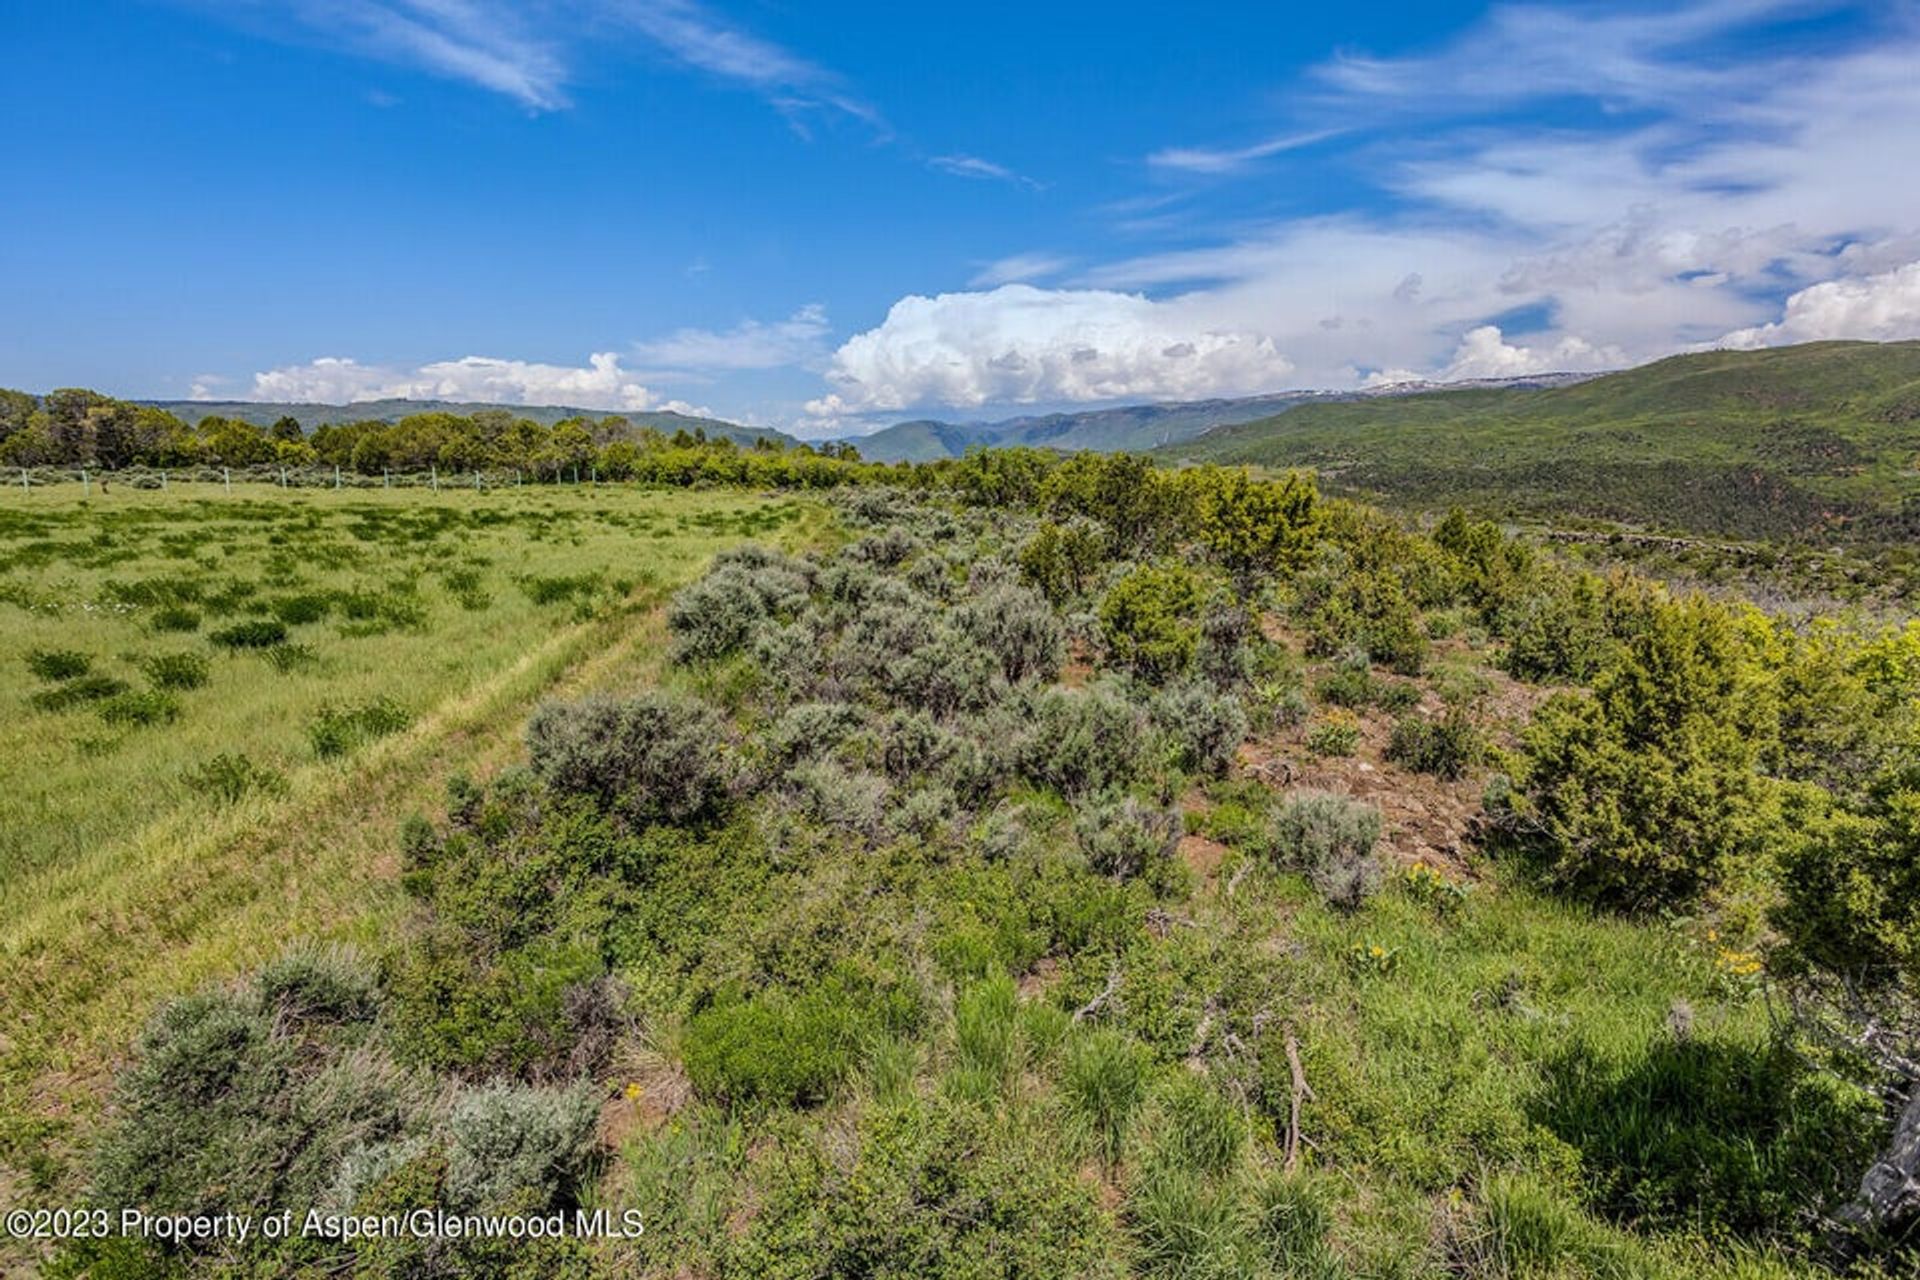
<point>178,671</point>
<point>253,633</point>
<point>77,692</point>
<point>336,730</point>
<point>288,658</point>
<point>1104,1081</point>
<point>175,618</point>
<point>301,609</point>
<point>140,707</point>
<point>231,776</point>
<point>55,665</point>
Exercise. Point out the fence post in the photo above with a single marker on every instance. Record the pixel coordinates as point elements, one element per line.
<point>163,482</point>
<point>386,478</point>
<point>226,476</point>
<point>336,475</point>
<point>436,479</point>
<point>86,485</point>
<point>24,482</point>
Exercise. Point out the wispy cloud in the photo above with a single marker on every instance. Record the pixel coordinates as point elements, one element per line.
<point>1234,159</point>
<point>697,38</point>
<point>484,44</point>
<point>1621,56</point>
<point>1019,268</point>
<point>527,52</point>
<point>965,166</point>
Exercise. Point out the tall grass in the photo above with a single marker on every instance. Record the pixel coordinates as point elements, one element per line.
<point>116,875</point>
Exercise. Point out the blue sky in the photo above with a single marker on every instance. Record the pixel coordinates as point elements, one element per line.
<point>830,216</point>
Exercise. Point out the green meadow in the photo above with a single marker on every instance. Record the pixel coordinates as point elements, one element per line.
<point>211,699</point>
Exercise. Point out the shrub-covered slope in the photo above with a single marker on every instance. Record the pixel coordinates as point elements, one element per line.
<point>1096,880</point>
<point>1810,442</point>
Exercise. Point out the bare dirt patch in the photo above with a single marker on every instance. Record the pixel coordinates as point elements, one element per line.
<point>1202,857</point>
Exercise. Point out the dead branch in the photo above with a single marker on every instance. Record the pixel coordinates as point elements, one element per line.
<point>1239,874</point>
<point>1202,1031</point>
<point>1301,1091</point>
<point>1094,1005</point>
<point>1160,921</point>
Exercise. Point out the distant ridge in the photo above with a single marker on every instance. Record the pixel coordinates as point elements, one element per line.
<point>264,413</point>
<point>1141,426</point>
<point>1816,441</point>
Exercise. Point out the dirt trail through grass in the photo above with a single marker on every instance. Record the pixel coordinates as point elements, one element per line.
<point>199,894</point>
<point>195,897</point>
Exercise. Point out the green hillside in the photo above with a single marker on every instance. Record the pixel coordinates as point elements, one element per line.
<point>1135,427</point>
<point>1132,428</point>
<point>1817,439</point>
<point>921,440</point>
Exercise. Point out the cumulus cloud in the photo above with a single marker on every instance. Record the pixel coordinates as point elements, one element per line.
<point>800,339</point>
<point>600,384</point>
<point>1876,308</point>
<point>1020,345</point>
<point>1485,353</point>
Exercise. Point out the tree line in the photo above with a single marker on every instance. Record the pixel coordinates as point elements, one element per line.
<point>80,428</point>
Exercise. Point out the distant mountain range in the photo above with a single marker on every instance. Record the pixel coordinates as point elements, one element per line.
<point>265,413</point>
<point>1136,427</point>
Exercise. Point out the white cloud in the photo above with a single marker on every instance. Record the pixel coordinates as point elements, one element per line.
<point>1695,191</point>
<point>1022,345</point>
<point>1877,308</point>
<point>688,33</point>
<point>1234,159</point>
<point>1485,353</point>
<point>751,344</point>
<point>1623,56</point>
<point>964,166</point>
<point>600,384</point>
<point>1018,268</point>
<point>485,44</point>
<point>525,51</point>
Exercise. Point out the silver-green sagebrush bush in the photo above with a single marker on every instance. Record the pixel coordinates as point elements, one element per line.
<point>1126,837</point>
<point>653,758</point>
<point>1330,839</point>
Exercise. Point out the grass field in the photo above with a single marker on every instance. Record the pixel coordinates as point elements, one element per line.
<point>418,629</point>
<point>898,920</point>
